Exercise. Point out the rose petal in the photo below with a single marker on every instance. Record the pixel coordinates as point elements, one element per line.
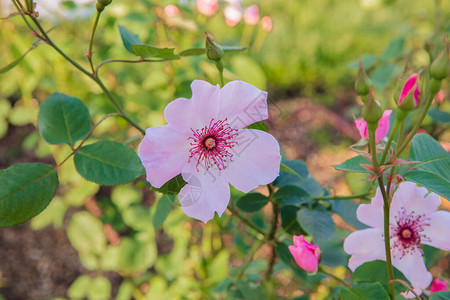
<point>437,231</point>
<point>164,153</point>
<point>186,114</point>
<point>205,193</point>
<point>407,87</point>
<point>383,126</point>
<point>243,104</point>
<point>361,125</point>
<point>414,269</point>
<point>364,246</point>
<point>256,160</point>
<point>372,214</point>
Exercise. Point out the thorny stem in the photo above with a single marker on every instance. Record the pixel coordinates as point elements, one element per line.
<point>387,240</point>
<point>91,41</point>
<point>399,140</point>
<point>323,271</point>
<point>21,10</point>
<point>406,286</point>
<point>389,142</point>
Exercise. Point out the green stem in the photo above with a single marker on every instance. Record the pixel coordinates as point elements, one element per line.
<point>372,146</point>
<point>356,196</point>
<point>127,61</point>
<point>245,220</point>
<point>434,89</point>
<point>399,140</point>
<point>91,41</point>
<point>258,244</point>
<point>407,286</point>
<point>21,12</point>
<point>389,142</point>
<point>271,237</point>
<point>323,271</point>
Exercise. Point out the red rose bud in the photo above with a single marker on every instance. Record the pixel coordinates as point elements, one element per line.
<point>362,83</point>
<point>371,111</point>
<point>410,93</point>
<point>213,50</point>
<point>439,66</point>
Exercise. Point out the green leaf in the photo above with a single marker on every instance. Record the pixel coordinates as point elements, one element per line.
<point>251,290</point>
<point>173,186</point>
<point>144,51</point>
<point>347,210</point>
<point>383,75</point>
<point>135,256</point>
<point>442,295</point>
<point>15,62</point>
<point>85,233</point>
<point>99,289</point>
<point>317,223</point>
<point>292,195</point>
<point>252,202</point>
<point>289,219</point>
<point>233,49</point>
<point>439,115</point>
<point>138,218</point>
<point>434,170</point>
<point>375,271</point>
<point>63,119</point>
<point>125,291</point>
<point>297,174</point>
<point>108,163</point>
<point>393,49</point>
<point>353,165</point>
<point>129,38</point>
<point>163,209</point>
<point>192,52</point>
<point>258,125</point>
<point>25,191</point>
<point>364,291</point>
<point>79,288</point>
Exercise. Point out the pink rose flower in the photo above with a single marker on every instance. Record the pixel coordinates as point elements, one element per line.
<point>438,285</point>
<point>306,255</point>
<point>171,10</point>
<point>206,141</point>
<point>233,13</point>
<point>381,131</point>
<point>414,220</point>
<point>411,84</point>
<point>266,23</point>
<point>207,7</point>
<point>251,15</point>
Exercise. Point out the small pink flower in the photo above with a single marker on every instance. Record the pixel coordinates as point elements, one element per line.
<point>414,220</point>
<point>411,84</point>
<point>306,255</point>
<point>438,285</point>
<point>251,15</point>
<point>266,23</point>
<point>207,7</point>
<point>233,13</point>
<point>440,96</point>
<point>206,141</point>
<point>171,10</point>
<point>381,131</point>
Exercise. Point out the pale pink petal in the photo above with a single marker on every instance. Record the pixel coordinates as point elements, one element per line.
<point>412,198</point>
<point>205,193</point>
<point>364,246</point>
<point>414,269</point>
<point>243,104</point>
<point>251,15</point>
<point>410,83</point>
<point>361,125</point>
<point>372,214</point>
<point>186,114</point>
<point>164,153</point>
<point>383,126</point>
<point>256,160</point>
<point>437,233</point>
<point>207,7</point>
<point>233,14</point>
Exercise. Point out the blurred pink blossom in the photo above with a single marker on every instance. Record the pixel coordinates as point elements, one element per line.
<point>382,129</point>
<point>306,255</point>
<point>207,7</point>
<point>206,141</point>
<point>411,84</point>
<point>171,10</point>
<point>440,96</point>
<point>266,23</point>
<point>233,13</point>
<point>251,15</point>
<point>438,285</point>
<point>414,220</point>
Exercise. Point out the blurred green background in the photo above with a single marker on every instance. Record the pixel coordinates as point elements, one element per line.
<point>308,58</point>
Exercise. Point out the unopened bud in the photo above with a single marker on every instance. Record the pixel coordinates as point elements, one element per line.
<point>371,111</point>
<point>101,4</point>
<point>408,98</point>
<point>362,83</point>
<point>439,66</point>
<point>213,50</point>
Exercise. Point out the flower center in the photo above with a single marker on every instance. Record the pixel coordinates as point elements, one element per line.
<point>211,144</point>
<point>407,233</point>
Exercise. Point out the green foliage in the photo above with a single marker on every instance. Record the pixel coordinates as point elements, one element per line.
<point>291,195</point>
<point>301,178</point>
<point>318,223</point>
<point>439,115</point>
<point>25,191</point>
<point>364,291</point>
<point>108,163</point>
<point>162,210</point>
<point>173,186</point>
<point>375,271</point>
<point>63,119</point>
<point>252,202</point>
<point>85,233</point>
<point>442,295</point>
<point>434,170</point>
<point>347,210</point>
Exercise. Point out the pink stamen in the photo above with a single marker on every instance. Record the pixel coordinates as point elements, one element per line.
<point>211,144</point>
